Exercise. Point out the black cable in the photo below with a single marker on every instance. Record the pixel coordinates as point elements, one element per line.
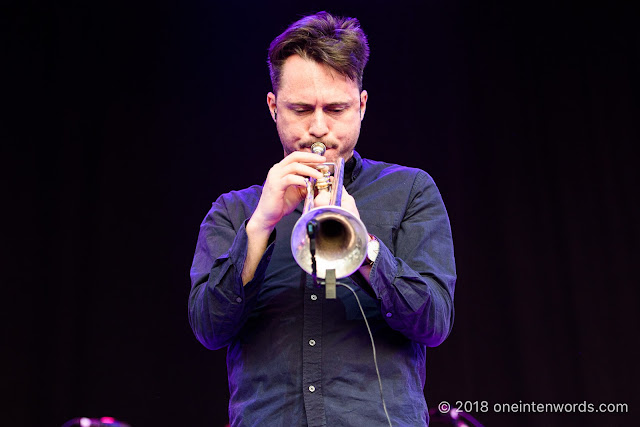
<point>311,232</point>
<point>312,227</point>
<point>373,347</point>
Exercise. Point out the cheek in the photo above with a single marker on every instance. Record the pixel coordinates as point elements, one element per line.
<point>289,133</point>
<point>291,127</point>
<point>349,128</point>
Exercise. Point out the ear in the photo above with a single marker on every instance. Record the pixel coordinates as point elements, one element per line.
<point>364,96</point>
<point>271,102</point>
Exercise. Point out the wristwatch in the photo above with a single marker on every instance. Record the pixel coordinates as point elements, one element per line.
<point>372,250</point>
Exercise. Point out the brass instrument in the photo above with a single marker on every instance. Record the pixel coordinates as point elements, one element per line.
<point>341,238</point>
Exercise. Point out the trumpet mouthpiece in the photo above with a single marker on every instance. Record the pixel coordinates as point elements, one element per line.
<point>318,148</point>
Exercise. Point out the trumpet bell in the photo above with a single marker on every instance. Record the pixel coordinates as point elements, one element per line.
<point>341,241</point>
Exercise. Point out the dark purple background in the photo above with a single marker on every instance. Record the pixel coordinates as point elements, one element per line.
<point>121,123</point>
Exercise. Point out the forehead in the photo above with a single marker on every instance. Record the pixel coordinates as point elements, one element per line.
<point>305,80</point>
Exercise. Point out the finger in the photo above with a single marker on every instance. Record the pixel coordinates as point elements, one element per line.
<point>278,171</point>
<point>293,180</point>
<point>322,199</point>
<point>296,194</point>
<point>347,198</point>
<point>303,157</point>
<point>349,203</point>
<point>302,170</point>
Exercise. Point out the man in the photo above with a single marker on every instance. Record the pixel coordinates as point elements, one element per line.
<point>295,357</point>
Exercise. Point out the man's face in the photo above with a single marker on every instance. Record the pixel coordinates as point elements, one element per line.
<point>316,103</point>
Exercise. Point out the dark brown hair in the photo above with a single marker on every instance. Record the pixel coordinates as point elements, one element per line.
<point>332,40</point>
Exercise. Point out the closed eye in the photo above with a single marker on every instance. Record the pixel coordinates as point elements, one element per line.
<point>336,108</point>
<point>300,109</point>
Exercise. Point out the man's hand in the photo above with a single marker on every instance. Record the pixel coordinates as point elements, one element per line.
<point>283,190</point>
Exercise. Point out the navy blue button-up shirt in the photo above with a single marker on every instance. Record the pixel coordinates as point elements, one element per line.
<point>295,358</point>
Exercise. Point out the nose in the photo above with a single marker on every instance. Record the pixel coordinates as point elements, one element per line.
<point>318,127</point>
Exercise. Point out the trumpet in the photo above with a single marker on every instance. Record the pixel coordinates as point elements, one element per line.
<point>337,238</point>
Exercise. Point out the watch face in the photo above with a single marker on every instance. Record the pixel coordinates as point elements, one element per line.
<point>372,249</point>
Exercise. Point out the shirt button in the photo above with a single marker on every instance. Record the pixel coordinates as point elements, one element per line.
<point>238,299</point>
<point>314,297</point>
<point>312,342</point>
<point>312,388</point>
<point>389,314</point>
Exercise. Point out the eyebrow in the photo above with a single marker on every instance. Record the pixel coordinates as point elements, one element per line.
<point>330,105</point>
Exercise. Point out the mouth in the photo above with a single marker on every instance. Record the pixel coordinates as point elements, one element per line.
<point>306,146</point>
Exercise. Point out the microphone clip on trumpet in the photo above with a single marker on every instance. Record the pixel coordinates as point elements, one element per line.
<point>328,242</point>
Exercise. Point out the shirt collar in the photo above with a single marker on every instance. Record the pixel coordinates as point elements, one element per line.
<point>352,167</point>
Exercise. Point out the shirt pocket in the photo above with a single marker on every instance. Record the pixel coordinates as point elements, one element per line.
<point>381,223</point>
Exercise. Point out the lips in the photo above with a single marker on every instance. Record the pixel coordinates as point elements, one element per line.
<point>307,145</point>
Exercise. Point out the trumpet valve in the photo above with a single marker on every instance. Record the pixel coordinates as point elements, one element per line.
<point>324,183</point>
